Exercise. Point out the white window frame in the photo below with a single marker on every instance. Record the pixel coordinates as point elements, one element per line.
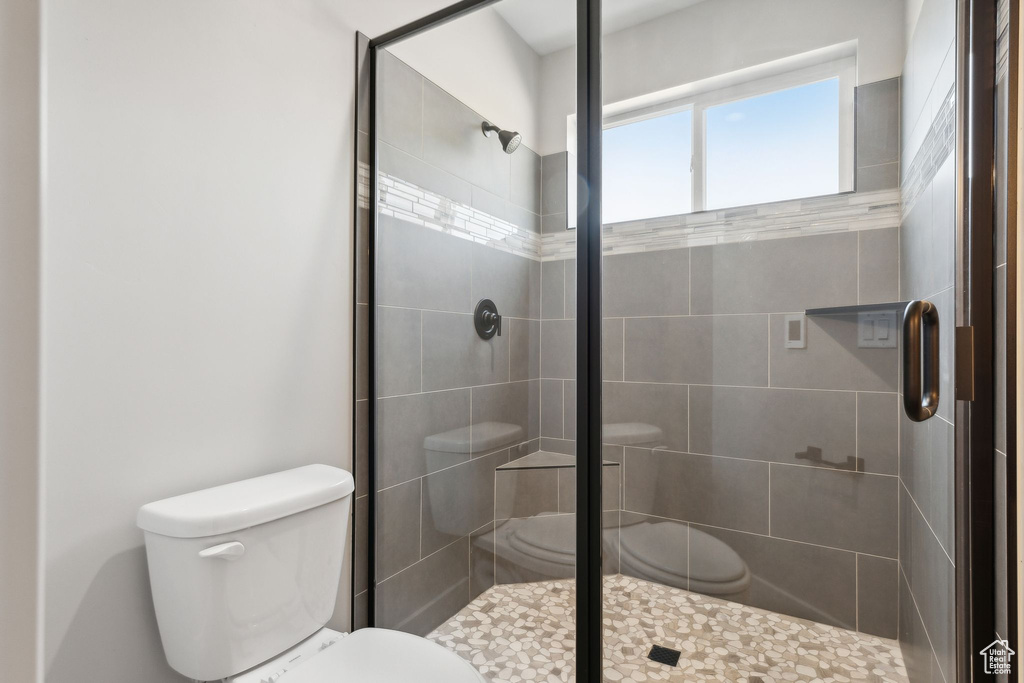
<point>762,80</point>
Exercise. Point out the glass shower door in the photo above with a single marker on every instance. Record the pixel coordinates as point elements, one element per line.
<point>475,343</point>
<point>779,181</point>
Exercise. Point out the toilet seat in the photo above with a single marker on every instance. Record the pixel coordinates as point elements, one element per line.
<point>547,537</point>
<point>710,566</point>
<point>376,655</point>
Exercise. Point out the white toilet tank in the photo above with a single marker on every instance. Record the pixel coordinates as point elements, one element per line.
<point>244,571</point>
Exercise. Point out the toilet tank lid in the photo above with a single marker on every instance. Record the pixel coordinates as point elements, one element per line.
<point>243,504</point>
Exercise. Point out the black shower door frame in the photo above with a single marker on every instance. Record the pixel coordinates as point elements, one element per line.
<point>588,519</point>
<point>588,314</point>
<point>976,35</point>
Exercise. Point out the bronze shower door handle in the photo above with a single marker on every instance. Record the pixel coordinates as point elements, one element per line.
<point>920,360</point>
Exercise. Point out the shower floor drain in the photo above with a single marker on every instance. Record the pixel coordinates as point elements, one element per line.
<point>664,655</point>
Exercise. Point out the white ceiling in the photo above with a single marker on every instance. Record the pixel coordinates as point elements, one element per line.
<point>549,26</point>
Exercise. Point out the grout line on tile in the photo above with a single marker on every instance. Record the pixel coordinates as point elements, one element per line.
<point>917,609</point>
<point>689,531</point>
<point>781,539</point>
<point>558,491</point>
<point>453,389</point>
<point>764,462</point>
<point>421,518</point>
<point>857,266</point>
<point>856,592</point>
<point>856,431</point>
<point>422,559</point>
<point>511,342</point>
<point>689,280</point>
<point>927,523</point>
<point>738,386</point>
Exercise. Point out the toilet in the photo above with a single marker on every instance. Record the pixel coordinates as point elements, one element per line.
<point>245,577</point>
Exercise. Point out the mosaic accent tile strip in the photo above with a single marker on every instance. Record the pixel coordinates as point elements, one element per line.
<point>412,203</point>
<point>796,218</point>
<point>937,146</point>
<point>526,632</point>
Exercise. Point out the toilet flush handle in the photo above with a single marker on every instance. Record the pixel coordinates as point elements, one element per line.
<point>231,550</point>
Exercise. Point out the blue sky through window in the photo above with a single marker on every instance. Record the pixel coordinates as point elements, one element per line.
<point>782,145</point>
<point>771,147</point>
<point>646,168</point>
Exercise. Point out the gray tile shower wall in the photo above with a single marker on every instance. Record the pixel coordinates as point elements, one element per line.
<point>787,456</point>
<point>454,226</point>
<point>927,249</point>
<point>779,453</point>
<point>878,135</point>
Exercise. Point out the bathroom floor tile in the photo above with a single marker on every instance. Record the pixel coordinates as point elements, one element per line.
<point>526,632</point>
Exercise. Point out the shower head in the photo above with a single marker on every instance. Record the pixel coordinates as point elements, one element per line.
<point>509,139</point>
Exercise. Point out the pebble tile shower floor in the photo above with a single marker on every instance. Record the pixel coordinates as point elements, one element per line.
<point>524,632</point>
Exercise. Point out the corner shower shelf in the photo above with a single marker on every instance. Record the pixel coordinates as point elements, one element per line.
<point>860,308</point>
<point>546,460</point>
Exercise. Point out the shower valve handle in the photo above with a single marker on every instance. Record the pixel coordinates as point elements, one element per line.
<point>493,318</point>
<point>486,319</point>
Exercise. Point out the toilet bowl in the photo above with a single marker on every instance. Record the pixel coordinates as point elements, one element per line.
<point>370,655</point>
<point>245,577</point>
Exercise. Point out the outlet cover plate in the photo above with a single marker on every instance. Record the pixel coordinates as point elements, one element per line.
<point>795,331</point>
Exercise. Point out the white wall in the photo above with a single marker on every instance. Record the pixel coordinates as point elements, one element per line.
<point>482,62</point>
<point>712,38</point>
<point>19,335</point>
<point>912,12</point>
<point>196,279</point>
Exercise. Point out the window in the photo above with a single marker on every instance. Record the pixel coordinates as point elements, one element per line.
<point>780,136</point>
<point>782,145</point>
<point>647,168</point>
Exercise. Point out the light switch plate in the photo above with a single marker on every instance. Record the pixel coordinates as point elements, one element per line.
<point>877,330</point>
